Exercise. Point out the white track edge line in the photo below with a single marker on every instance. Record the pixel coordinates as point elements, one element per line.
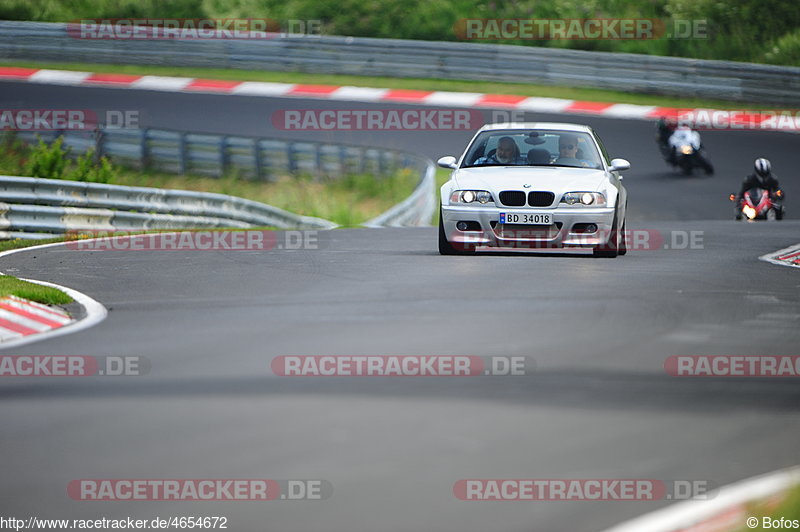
<point>770,257</point>
<point>95,311</point>
<point>687,513</point>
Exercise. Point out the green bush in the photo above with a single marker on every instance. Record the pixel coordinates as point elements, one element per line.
<point>51,161</point>
<point>87,170</point>
<point>67,10</point>
<point>47,160</point>
<point>786,50</point>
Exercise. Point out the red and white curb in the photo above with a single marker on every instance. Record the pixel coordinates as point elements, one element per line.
<point>20,317</point>
<point>784,257</point>
<point>724,510</point>
<point>23,321</point>
<point>367,94</point>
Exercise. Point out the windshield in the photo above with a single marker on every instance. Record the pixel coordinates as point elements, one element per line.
<point>533,147</point>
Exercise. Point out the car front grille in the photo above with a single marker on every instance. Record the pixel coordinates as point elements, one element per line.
<point>512,198</point>
<point>517,198</point>
<point>540,199</point>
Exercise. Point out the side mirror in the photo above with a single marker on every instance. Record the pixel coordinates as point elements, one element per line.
<point>618,165</point>
<point>447,162</point>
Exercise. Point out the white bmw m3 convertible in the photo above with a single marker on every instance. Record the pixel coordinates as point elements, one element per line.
<point>533,186</point>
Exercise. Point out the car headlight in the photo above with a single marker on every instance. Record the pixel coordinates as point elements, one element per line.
<point>686,149</point>
<point>471,196</point>
<point>595,199</point>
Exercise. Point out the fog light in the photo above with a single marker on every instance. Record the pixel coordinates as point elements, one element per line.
<point>591,228</point>
<point>462,226</point>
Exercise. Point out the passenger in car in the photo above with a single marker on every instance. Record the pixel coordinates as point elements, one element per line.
<point>570,155</point>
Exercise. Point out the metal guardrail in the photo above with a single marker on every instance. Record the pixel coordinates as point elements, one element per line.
<point>416,210</point>
<point>215,155</point>
<point>38,208</point>
<point>422,59</point>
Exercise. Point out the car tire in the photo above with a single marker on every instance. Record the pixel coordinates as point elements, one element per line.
<point>610,249</point>
<point>623,246</point>
<point>445,247</point>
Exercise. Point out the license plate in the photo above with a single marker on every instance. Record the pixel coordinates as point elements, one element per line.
<point>526,218</point>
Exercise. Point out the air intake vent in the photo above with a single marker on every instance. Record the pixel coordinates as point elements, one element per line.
<point>540,199</point>
<point>512,198</point>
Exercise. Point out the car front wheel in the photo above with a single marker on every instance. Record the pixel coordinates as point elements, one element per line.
<point>445,247</point>
<point>610,249</point>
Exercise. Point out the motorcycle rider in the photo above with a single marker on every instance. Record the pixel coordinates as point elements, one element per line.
<point>762,178</point>
<point>665,127</point>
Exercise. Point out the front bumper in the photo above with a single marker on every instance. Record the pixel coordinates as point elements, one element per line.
<point>561,234</point>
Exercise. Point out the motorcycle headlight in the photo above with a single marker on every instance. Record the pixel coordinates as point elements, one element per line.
<point>749,212</point>
<point>686,149</point>
<point>471,196</point>
<point>595,199</point>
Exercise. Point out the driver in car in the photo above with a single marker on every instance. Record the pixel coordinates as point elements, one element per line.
<point>507,153</point>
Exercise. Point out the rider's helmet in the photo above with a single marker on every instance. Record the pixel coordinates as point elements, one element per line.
<point>762,167</point>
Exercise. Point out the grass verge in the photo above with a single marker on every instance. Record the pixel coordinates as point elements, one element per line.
<point>348,201</point>
<point>788,509</point>
<point>11,286</point>
<point>519,89</point>
<point>17,243</point>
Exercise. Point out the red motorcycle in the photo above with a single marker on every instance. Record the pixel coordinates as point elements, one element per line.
<point>758,204</point>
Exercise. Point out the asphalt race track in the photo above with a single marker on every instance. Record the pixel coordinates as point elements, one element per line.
<point>596,402</point>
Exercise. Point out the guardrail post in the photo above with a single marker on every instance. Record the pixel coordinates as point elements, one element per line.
<point>222,157</point>
<point>144,156</point>
<point>381,165</point>
<point>290,157</point>
<point>182,154</point>
<point>257,158</point>
<point>318,159</point>
<point>99,138</point>
<point>362,162</point>
<point>342,161</point>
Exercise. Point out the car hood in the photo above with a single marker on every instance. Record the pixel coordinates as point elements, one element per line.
<point>555,179</point>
